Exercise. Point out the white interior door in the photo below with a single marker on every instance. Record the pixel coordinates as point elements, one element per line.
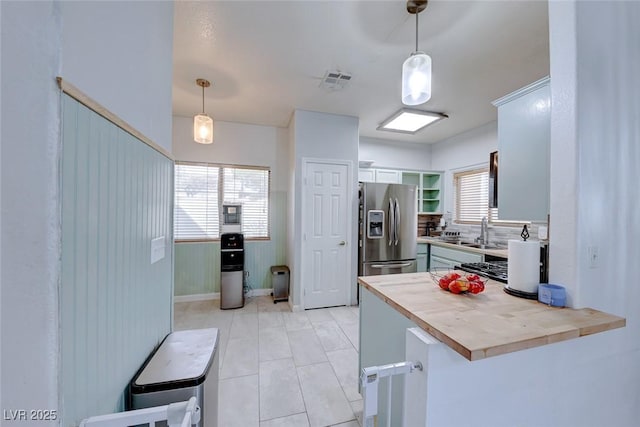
<point>326,254</point>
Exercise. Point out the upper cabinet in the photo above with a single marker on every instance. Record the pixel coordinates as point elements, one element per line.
<point>429,190</point>
<point>429,184</point>
<point>524,121</point>
<point>388,176</point>
<point>366,175</point>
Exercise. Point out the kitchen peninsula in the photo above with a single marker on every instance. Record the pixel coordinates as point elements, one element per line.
<point>481,340</point>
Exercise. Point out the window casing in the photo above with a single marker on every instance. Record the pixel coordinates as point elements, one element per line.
<point>202,188</point>
<point>472,197</point>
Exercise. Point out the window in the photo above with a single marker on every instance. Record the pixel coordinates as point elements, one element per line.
<point>202,188</point>
<point>472,197</point>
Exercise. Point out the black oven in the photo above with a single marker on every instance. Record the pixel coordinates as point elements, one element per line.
<point>496,268</point>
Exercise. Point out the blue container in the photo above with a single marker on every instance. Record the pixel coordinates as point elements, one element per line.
<point>554,295</point>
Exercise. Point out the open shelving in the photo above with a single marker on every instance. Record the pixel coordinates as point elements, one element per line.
<point>429,193</point>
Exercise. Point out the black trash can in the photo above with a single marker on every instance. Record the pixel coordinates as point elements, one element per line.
<point>185,364</point>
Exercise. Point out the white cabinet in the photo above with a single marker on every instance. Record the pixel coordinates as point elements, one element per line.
<point>366,175</point>
<point>524,119</point>
<point>388,176</point>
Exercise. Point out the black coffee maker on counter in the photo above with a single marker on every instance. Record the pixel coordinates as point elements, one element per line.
<point>431,226</point>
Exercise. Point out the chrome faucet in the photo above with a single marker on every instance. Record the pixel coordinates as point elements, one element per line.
<point>483,239</point>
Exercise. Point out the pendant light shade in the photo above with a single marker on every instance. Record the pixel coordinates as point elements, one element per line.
<point>416,79</point>
<point>203,129</point>
<point>203,124</point>
<point>416,70</point>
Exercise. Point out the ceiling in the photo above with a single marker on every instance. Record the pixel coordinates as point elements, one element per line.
<point>266,58</point>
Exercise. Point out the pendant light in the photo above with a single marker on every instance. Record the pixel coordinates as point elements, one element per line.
<point>203,124</point>
<point>416,70</point>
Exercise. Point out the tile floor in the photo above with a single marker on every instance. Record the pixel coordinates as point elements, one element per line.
<point>279,368</point>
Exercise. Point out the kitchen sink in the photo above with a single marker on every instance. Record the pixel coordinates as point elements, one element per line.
<point>480,246</point>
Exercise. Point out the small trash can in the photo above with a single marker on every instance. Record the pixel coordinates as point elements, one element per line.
<point>280,283</point>
<point>185,364</point>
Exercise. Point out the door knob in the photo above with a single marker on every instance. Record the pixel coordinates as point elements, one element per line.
<point>342,243</point>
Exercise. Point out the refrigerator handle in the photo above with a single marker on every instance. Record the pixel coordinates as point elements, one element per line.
<point>396,215</point>
<point>392,222</point>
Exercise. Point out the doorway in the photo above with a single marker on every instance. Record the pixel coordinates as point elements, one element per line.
<point>326,233</point>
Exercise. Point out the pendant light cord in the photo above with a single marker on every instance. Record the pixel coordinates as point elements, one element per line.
<point>202,99</point>
<point>417,31</point>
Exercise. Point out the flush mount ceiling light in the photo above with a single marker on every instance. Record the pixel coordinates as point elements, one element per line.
<point>410,121</point>
<point>416,70</point>
<point>203,124</point>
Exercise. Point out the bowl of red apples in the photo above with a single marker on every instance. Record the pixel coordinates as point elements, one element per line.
<point>457,283</point>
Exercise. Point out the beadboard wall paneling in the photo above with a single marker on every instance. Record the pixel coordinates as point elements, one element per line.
<point>197,265</point>
<point>117,195</point>
<point>197,268</point>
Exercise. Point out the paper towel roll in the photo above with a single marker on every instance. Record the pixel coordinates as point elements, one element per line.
<point>524,265</point>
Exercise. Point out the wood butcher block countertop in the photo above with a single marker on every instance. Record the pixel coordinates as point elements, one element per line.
<point>486,324</point>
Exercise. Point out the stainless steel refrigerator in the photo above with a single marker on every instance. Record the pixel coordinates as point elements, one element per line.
<point>387,229</point>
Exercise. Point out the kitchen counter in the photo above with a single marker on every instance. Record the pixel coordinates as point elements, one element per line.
<point>501,253</point>
<point>487,324</point>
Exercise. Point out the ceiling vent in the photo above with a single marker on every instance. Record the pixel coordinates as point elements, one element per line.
<point>335,80</point>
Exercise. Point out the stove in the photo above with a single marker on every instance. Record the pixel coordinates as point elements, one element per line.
<point>495,270</point>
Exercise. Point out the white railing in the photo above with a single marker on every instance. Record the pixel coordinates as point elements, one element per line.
<point>421,351</point>
<point>181,414</point>
<point>369,381</point>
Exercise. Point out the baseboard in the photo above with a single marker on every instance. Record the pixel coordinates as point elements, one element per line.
<point>261,292</point>
<point>295,308</point>
<point>196,297</point>
<point>216,295</point>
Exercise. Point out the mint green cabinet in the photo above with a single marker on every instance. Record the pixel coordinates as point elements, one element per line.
<point>422,257</point>
<point>449,258</point>
<point>524,121</point>
<point>429,194</point>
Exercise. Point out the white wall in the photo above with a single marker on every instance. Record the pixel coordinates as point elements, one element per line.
<point>119,54</point>
<point>563,209</point>
<point>608,142</point>
<point>595,140</point>
<point>236,144</point>
<point>462,151</point>
<point>393,154</point>
<point>293,255</point>
<point>30,217</point>
<point>115,48</point>
<point>322,136</point>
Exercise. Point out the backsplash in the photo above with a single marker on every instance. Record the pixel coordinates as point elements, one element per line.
<point>497,235</point>
<point>424,219</point>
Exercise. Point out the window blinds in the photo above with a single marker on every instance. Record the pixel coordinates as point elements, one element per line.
<point>250,188</point>
<point>472,197</point>
<point>196,214</point>
<point>200,191</point>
